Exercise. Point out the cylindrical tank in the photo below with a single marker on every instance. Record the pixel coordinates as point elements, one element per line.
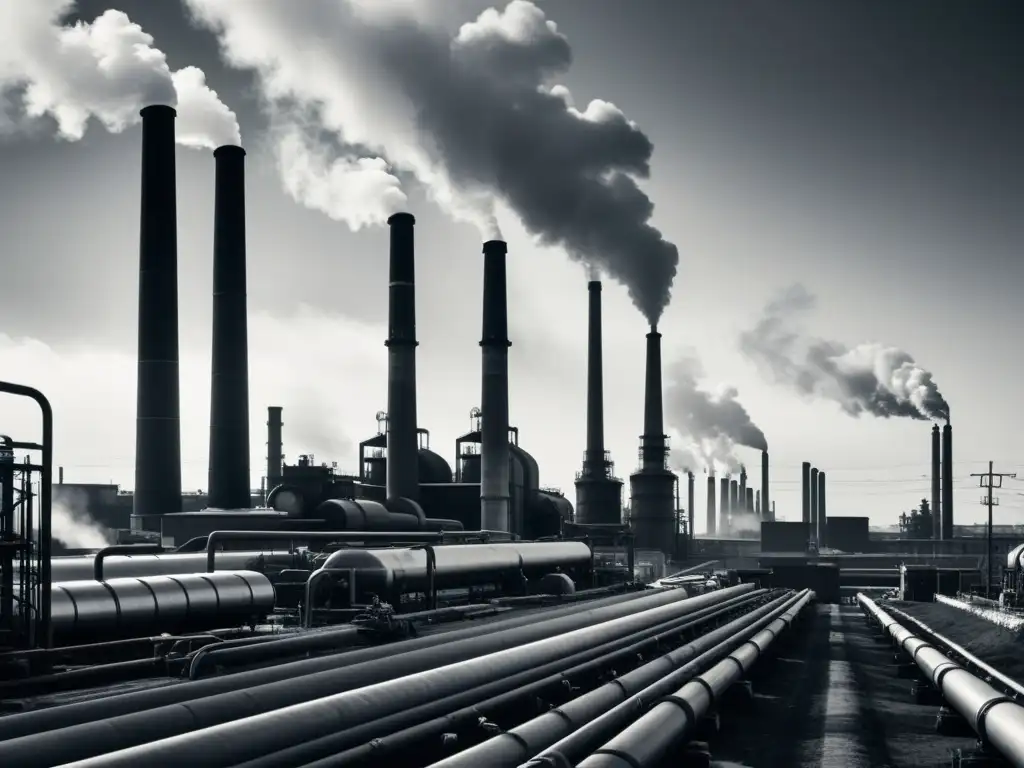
<point>79,567</point>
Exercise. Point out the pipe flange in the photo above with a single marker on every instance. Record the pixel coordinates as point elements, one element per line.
<point>983,713</point>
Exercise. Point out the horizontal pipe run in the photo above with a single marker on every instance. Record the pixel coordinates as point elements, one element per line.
<point>648,740</point>
<point>121,549</point>
<point>997,719</point>
<point>230,743</point>
<point>82,729</point>
<point>564,734</point>
<point>379,740</point>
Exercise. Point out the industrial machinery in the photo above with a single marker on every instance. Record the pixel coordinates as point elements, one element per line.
<point>1012,595</point>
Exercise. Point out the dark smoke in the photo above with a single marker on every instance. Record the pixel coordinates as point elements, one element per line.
<point>707,416</point>
<point>868,378</point>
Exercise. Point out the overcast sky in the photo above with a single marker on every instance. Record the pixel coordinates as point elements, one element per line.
<point>869,151</point>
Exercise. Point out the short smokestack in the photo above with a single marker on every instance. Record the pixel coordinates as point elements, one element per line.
<point>691,517</point>
<point>764,513</point>
<point>822,516</point>
<point>403,442</point>
<point>711,505</point>
<point>814,500</point>
<point>275,447</point>
<point>494,482</point>
<point>805,491</point>
<point>157,426</point>
<point>723,506</point>
<point>947,481</point>
<point>229,394</point>
<point>743,486</point>
<point>936,482</point>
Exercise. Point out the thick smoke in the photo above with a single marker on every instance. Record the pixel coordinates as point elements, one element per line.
<point>72,525</point>
<point>868,378</point>
<point>105,70</point>
<point>715,454</point>
<point>475,117</point>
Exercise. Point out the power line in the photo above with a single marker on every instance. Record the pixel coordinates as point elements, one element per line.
<point>987,480</point>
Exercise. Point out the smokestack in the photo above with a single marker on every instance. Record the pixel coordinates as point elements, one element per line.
<point>723,507</point>
<point>275,452</point>
<point>494,481</point>
<point>691,517</point>
<point>805,490</point>
<point>936,483</point>
<point>749,501</point>
<point>711,505</point>
<point>947,481</point>
<point>229,394</point>
<point>594,459</point>
<point>402,440</point>
<point>653,448</point>
<point>822,516</point>
<point>813,490</point>
<point>757,504</point>
<point>734,498</point>
<point>157,426</point>
<point>765,513</point>
<point>743,486</point>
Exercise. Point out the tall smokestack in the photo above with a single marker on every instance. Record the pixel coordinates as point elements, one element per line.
<point>653,449</point>
<point>749,501</point>
<point>813,490</point>
<point>723,506</point>
<point>743,486</point>
<point>711,505</point>
<point>947,481</point>
<point>229,394</point>
<point>805,491</point>
<point>734,499</point>
<point>494,463</point>
<point>275,451</point>
<point>691,517</point>
<point>765,508</point>
<point>157,426</point>
<point>403,442</point>
<point>757,504</point>
<point>822,516</point>
<point>936,483</point>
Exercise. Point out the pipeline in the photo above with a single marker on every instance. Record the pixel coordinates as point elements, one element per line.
<point>996,718</point>
<point>322,710</point>
<point>647,741</point>
<point>379,740</point>
<point>567,734</point>
<point>75,731</point>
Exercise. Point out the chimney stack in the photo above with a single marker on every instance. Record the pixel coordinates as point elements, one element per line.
<point>735,506</point>
<point>813,490</point>
<point>805,491</point>
<point>757,505</point>
<point>947,481</point>
<point>275,451</point>
<point>743,486</point>
<point>936,483</point>
<point>402,440</point>
<point>765,509</point>
<point>723,507</point>
<point>157,426</point>
<point>711,505</point>
<point>822,516</point>
<point>690,516</point>
<point>494,481</point>
<point>653,448</point>
<point>749,501</point>
<point>229,393</point>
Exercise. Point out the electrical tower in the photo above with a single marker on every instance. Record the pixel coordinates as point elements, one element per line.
<point>990,480</point>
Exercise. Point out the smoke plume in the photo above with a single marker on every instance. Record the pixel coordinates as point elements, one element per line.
<point>105,70</point>
<point>72,525</point>
<point>868,378</point>
<point>475,117</point>
<point>712,454</point>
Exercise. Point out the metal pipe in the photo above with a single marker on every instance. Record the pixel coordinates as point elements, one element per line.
<point>494,443</point>
<point>936,483</point>
<point>431,576</point>
<point>231,743</point>
<point>997,719</point>
<point>79,730</point>
<point>649,739</point>
<point>121,549</point>
<point>158,428</point>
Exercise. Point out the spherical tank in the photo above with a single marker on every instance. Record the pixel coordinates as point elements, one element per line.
<point>434,468</point>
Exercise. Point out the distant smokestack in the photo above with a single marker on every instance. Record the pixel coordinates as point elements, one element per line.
<point>805,490</point>
<point>402,440</point>
<point>749,501</point>
<point>822,516</point>
<point>813,483</point>
<point>653,448</point>
<point>711,505</point>
<point>229,394</point>
<point>494,482</point>
<point>734,498</point>
<point>275,451</point>
<point>723,506</point>
<point>743,486</point>
<point>947,481</point>
<point>691,517</point>
<point>757,505</point>
<point>936,483</point>
<point>157,426</point>
<point>765,508</point>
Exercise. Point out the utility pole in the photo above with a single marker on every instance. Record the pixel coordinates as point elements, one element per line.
<point>990,480</point>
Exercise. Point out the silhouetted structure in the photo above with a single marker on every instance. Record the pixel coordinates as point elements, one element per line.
<point>494,481</point>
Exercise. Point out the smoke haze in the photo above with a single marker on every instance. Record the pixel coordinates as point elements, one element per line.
<point>106,70</point>
<point>72,525</point>
<point>869,378</point>
<point>475,117</point>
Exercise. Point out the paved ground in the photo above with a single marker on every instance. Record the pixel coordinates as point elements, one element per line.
<point>831,699</point>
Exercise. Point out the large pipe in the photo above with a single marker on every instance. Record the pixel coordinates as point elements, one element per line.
<point>711,505</point>
<point>947,481</point>
<point>813,491</point>
<point>494,462</point>
<point>229,393</point>
<point>403,441</point>
<point>765,506</point>
<point>936,483</point>
<point>275,447</point>
<point>805,491</point>
<point>822,515</point>
<point>157,426</point>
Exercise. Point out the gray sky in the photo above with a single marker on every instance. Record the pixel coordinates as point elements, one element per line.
<point>869,151</point>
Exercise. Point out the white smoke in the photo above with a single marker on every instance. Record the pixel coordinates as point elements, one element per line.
<point>106,70</point>
<point>73,526</point>
<point>710,454</point>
